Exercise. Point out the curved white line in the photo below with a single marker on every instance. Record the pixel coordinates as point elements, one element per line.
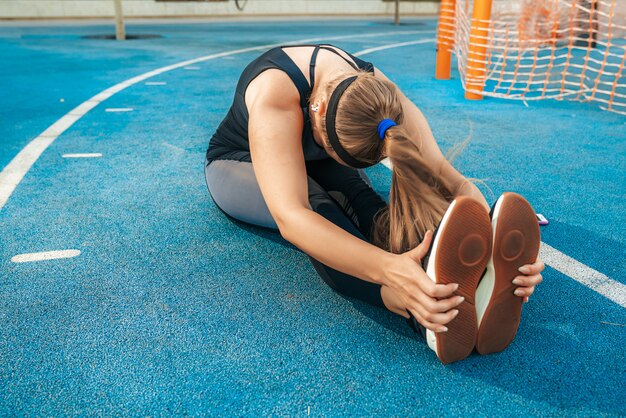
<point>15,171</point>
<point>389,46</point>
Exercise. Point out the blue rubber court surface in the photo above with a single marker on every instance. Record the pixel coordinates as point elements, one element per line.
<point>171,308</point>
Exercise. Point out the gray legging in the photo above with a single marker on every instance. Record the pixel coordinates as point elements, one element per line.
<point>340,194</point>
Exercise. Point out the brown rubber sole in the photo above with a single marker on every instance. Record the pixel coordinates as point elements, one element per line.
<point>515,243</point>
<point>463,251</point>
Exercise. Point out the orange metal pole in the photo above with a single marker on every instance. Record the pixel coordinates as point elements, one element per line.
<point>477,54</point>
<point>445,39</point>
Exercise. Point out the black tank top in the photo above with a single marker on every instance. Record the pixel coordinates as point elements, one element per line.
<point>230,140</point>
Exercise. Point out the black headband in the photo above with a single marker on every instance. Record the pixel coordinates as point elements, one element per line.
<point>331,115</point>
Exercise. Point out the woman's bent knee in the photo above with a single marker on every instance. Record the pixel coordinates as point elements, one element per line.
<point>234,189</point>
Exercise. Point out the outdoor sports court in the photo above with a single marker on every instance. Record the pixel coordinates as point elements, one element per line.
<point>161,305</point>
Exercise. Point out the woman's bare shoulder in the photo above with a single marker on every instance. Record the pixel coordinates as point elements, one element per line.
<point>272,88</point>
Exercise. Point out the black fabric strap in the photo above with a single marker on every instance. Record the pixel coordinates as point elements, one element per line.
<point>360,64</point>
<point>331,115</point>
<point>312,66</point>
<point>353,65</point>
<point>284,62</point>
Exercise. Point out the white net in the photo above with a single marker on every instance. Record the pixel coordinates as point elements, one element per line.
<point>539,49</point>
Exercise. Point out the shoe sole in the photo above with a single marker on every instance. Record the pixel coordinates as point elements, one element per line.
<point>516,240</point>
<point>459,254</point>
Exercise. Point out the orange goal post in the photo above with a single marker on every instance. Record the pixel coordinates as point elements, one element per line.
<point>536,49</point>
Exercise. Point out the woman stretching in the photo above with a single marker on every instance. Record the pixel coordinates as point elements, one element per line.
<point>289,155</point>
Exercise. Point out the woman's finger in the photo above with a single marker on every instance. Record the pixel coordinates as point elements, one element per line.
<point>527,281</point>
<point>435,290</point>
<point>524,291</point>
<point>436,317</point>
<point>440,305</point>
<point>427,324</point>
<point>535,268</point>
<point>418,253</point>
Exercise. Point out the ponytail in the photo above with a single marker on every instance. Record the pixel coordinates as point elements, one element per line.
<point>367,110</point>
<point>418,198</point>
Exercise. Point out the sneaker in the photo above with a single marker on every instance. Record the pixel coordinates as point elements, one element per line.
<point>459,253</point>
<point>516,241</point>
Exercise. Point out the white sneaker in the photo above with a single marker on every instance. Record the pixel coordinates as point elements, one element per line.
<point>459,253</point>
<point>516,240</point>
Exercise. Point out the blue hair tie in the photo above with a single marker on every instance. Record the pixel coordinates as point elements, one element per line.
<point>383,126</point>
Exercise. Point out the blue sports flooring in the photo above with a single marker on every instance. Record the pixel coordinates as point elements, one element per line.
<point>173,309</point>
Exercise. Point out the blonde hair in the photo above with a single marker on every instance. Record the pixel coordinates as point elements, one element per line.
<point>419,196</point>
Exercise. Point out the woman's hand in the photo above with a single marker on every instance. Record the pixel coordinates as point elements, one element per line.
<point>531,277</point>
<point>431,304</point>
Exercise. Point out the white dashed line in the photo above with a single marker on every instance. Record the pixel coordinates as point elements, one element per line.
<point>92,155</point>
<point>174,148</point>
<point>119,109</point>
<point>46,255</point>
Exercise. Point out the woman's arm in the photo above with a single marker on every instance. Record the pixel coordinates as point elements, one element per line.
<point>275,131</point>
<point>417,124</point>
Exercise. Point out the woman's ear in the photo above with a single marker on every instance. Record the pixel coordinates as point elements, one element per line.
<point>322,101</point>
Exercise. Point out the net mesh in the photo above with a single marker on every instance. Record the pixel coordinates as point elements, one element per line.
<point>539,49</point>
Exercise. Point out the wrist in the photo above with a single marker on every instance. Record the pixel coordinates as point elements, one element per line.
<point>385,265</point>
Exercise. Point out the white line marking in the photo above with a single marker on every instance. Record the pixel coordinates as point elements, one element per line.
<point>92,155</point>
<point>61,125</point>
<point>604,285</point>
<point>178,150</point>
<point>389,46</point>
<point>15,171</point>
<point>613,323</point>
<point>119,109</point>
<point>155,83</point>
<point>47,255</point>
